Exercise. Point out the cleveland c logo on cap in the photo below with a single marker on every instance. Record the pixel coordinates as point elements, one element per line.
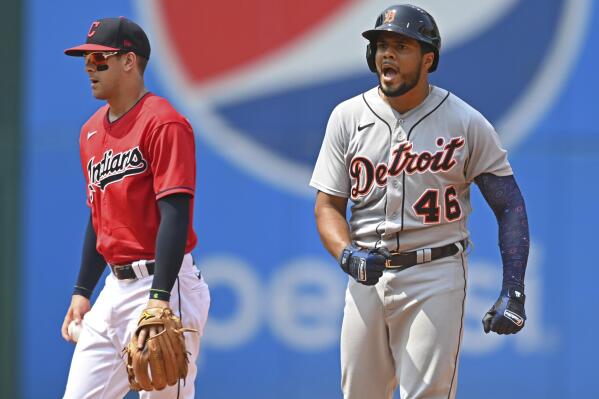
<point>93,28</point>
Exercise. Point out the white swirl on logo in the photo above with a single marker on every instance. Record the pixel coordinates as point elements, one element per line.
<point>308,59</point>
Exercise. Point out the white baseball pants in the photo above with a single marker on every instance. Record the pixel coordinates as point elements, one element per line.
<point>406,330</point>
<point>98,368</point>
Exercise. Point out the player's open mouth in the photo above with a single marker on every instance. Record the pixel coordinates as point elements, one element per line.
<point>389,72</point>
<point>93,81</point>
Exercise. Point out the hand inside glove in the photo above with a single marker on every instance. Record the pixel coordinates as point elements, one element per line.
<point>364,265</point>
<point>507,315</point>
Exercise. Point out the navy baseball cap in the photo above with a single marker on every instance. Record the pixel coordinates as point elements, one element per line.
<point>114,34</point>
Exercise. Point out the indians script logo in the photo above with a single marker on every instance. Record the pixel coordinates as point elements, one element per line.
<point>271,97</point>
<point>114,167</point>
<point>364,174</point>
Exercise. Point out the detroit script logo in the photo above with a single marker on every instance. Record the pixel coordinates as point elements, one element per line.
<point>364,173</point>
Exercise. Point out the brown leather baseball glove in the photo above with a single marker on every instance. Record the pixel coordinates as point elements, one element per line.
<point>163,359</point>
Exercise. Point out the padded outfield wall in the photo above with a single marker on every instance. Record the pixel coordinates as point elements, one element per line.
<point>10,184</point>
<point>257,81</point>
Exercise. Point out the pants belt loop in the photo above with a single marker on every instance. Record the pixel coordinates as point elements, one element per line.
<point>428,254</point>
<point>460,247</point>
<point>140,269</point>
<point>424,255</point>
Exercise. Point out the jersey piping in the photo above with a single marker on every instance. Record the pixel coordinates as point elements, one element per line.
<point>455,362</point>
<point>403,173</point>
<point>175,188</point>
<point>403,179</point>
<point>390,138</point>
<point>110,123</point>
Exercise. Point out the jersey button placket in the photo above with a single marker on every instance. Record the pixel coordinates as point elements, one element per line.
<point>393,183</point>
<point>399,134</point>
<point>105,148</point>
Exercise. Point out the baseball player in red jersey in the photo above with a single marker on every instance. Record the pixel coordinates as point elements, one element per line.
<point>405,153</point>
<point>138,158</point>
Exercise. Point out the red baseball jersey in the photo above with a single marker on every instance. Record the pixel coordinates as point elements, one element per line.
<point>129,164</point>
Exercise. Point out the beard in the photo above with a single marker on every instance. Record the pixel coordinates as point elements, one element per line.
<point>409,82</point>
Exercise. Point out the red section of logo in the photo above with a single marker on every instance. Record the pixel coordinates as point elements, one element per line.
<point>213,37</point>
<point>93,28</point>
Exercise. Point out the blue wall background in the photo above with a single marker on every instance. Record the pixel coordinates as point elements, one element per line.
<point>277,296</point>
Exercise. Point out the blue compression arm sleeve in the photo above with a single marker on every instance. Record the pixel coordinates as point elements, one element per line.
<point>504,197</point>
<point>92,264</point>
<point>170,243</point>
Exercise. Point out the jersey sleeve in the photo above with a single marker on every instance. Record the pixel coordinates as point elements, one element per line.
<point>171,151</point>
<point>330,173</point>
<point>486,154</point>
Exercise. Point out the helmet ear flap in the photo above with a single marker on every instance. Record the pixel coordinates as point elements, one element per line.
<point>370,53</point>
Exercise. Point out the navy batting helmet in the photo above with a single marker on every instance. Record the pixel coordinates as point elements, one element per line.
<point>407,20</point>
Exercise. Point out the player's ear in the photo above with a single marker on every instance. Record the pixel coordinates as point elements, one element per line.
<point>427,60</point>
<point>129,61</point>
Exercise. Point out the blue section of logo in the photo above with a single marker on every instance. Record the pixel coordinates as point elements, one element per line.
<point>292,124</point>
<point>491,70</point>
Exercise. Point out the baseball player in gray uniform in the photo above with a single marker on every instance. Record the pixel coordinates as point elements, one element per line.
<point>405,154</point>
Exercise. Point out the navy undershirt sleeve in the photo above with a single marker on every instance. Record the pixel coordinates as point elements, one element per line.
<point>170,243</point>
<point>505,199</point>
<point>92,264</point>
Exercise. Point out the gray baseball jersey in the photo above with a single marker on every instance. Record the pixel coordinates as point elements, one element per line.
<point>407,175</point>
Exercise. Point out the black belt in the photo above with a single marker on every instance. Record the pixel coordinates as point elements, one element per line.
<point>137,269</point>
<point>403,260</point>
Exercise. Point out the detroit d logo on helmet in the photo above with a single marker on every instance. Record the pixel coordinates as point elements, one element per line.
<point>389,16</point>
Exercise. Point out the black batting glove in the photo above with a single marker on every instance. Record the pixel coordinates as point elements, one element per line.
<point>364,265</point>
<point>507,315</point>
